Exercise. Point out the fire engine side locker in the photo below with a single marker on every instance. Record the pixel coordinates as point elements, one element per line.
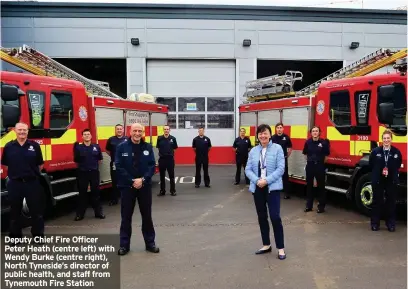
<point>105,120</point>
<point>157,122</point>
<point>298,119</point>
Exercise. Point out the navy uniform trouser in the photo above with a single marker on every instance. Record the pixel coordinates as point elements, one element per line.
<point>202,161</point>
<point>144,198</point>
<point>265,201</point>
<point>241,161</point>
<point>315,170</point>
<point>84,179</point>
<point>167,163</point>
<point>32,191</point>
<point>389,190</point>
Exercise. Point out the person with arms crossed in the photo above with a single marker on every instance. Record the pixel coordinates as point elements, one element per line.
<point>24,161</point>
<point>135,167</point>
<point>385,162</point>
<point>285,142</point>
<point>88,157</point>
<point>242,145</point>
<point>202,146</point>
<point>265,167</point>
<point>166,144</point>
<point>111,145</point>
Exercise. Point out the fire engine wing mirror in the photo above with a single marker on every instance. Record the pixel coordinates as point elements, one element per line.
<point>10,93</point>
<point>10,115</point>
<point>386,112</point>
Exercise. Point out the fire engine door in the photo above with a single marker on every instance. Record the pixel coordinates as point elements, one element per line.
<point>157,122</point>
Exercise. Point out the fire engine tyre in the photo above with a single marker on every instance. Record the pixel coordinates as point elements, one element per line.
<point>363,194</point>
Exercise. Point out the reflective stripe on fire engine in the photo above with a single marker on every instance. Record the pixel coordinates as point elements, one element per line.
<point>250,132</point>
<point>11,135</point>
<point>46,152</point>
<point>105,132</point>
<point>334,134</point>
<point>298,131</point>
<point>69,137</point>
<point>395,138</point>
<point>357,148</point>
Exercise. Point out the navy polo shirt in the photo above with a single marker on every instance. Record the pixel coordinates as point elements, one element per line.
<point>166,146</point>
<point>88,157</point>
<point>284,141</point>
<point>112,144</point>
<point>23,161</point>
<point>317,150</point>
<point>242,145</point>
<point>202,145</point>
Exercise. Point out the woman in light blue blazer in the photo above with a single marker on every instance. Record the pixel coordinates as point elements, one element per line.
<point>265,168</point>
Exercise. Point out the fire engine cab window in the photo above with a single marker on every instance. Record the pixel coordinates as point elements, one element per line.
<point>61,110</point>
<point>340,112</point>
<point>36,108</point>
<point>400,104</point>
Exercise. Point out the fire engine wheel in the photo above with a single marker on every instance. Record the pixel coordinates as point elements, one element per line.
<point>364,194</point>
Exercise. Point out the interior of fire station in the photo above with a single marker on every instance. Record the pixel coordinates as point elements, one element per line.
<point>110,70</point>
<point>308,68</point>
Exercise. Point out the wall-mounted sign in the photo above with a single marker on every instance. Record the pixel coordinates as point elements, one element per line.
<point>192,106</point>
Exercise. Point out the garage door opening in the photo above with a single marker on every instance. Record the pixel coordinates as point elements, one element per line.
<point>112,71</point>
<point>312,70</point>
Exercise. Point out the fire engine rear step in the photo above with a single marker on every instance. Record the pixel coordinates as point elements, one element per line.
<point>33,61</point>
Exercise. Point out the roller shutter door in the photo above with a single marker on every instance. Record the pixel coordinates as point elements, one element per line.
<point>192,82</point>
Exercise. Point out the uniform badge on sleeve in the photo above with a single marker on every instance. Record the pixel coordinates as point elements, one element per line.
<point>146,153</point>
<point>395,156</point>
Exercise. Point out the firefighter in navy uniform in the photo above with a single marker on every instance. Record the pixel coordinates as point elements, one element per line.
<point>385,162</point>
<point>88,156</point>
<point>242,146</point>
<point>166,145</point>
<point>285,142</point>
<point>111,145</point>
<point>316,150</point>
<point>201,145</point>
<point>135,167</point>
<point>23,159</point>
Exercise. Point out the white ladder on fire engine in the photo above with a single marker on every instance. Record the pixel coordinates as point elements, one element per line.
<point>275,84</point>
<point>372,62</point>
<point>33,61</point>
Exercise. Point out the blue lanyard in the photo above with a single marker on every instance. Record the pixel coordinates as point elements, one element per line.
<point>263,160</point>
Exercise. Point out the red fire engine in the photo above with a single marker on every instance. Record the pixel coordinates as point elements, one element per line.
<point>57,108</point>
<point>352,110</point>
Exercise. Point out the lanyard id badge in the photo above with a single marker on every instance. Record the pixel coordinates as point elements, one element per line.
<point>385,169</point>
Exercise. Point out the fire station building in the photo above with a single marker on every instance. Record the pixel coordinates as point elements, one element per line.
<point>197,58</point>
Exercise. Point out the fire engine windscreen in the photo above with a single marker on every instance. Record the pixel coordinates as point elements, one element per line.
<point>312,70</point>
